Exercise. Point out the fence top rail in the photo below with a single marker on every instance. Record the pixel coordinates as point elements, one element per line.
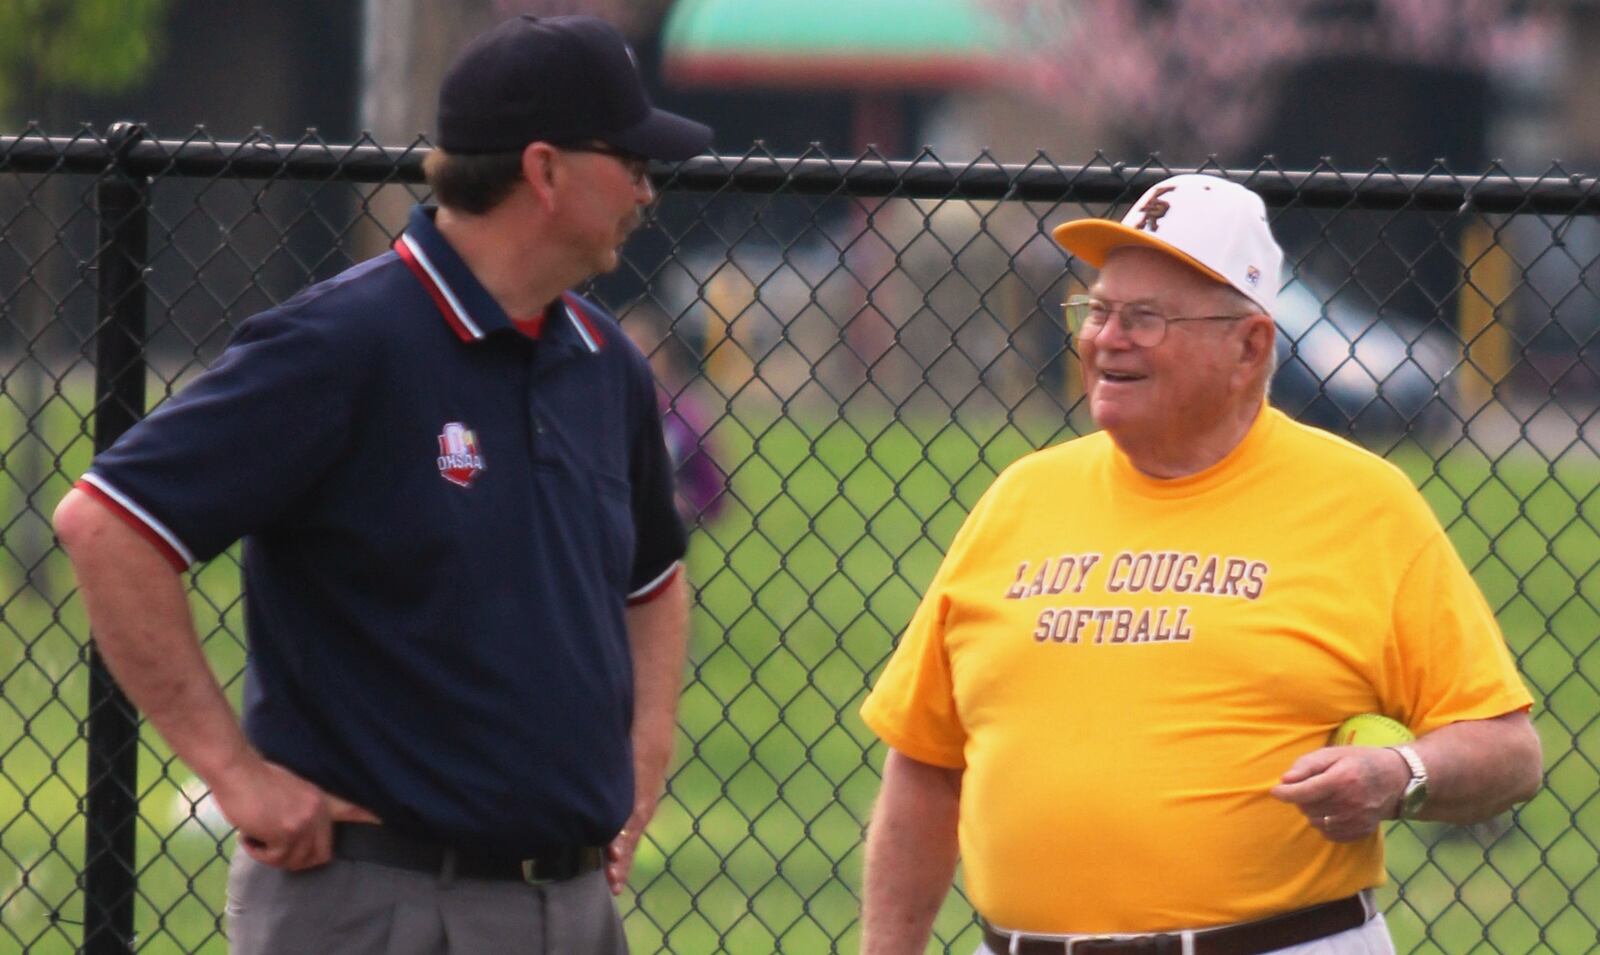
<point>926,176</point>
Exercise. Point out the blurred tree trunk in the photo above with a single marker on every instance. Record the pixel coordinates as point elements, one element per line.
<point>1580,93</point>
<point>406,47</point>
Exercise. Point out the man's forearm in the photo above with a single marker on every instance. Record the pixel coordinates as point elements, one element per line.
<point>911,855</point>
<point>658,637</point>
<point>1480,768</point>
<point>145,633</point>
<point>142,625</point>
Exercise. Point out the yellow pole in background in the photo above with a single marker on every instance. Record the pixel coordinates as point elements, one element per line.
<point>1071,371</point>
<point>1487,278</point>
<point>725,363</point>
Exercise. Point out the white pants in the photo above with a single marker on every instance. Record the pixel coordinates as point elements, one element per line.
<point>1369,939</point>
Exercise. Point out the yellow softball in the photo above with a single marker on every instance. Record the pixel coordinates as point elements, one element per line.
<point>1370,729</point>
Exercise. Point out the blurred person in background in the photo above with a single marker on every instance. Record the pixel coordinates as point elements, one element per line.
<point>686,416</point>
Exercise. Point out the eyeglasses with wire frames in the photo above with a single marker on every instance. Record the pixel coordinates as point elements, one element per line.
<point>1145,325</point>
<point>638,166</point>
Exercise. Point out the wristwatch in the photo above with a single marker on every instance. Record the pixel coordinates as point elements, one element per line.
<point>1416,791</point>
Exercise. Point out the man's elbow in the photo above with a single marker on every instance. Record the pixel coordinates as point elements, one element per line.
<point>77,519</point>
<point>1529,762</point>
<point>1520,755</point>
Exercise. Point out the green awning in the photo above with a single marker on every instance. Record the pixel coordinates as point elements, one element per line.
<point>845,44</point>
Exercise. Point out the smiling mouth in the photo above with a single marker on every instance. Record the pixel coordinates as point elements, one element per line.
<point>1119,376</point>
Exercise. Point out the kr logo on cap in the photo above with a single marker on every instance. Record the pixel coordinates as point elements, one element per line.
<point>460,461</point>
<point>1154,208</point>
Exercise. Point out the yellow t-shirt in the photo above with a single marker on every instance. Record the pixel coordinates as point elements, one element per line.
<point>1125,666</point>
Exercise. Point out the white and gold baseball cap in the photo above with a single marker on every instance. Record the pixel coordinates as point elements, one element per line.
<point>1214,225</point>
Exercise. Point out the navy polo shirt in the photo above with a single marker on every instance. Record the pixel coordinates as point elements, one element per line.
<point>443,519</point>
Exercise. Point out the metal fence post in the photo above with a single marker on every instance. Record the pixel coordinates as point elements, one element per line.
<point>110,804</point>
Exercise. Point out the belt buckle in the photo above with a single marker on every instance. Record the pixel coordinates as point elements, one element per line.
<point>530,873</point>
<point>1087,944</point>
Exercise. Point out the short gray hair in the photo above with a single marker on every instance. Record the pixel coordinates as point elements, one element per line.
<point>1233,302</point>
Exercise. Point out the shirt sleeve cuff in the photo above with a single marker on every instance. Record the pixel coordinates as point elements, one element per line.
<point>873,713</point>
<point>136,517</point>
<point>657,586</point>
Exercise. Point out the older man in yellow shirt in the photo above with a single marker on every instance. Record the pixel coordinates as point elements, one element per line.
<point>1115,699</point>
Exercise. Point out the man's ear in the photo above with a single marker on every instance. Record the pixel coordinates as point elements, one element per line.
<point>541,168</point>
<point>1258,341</point>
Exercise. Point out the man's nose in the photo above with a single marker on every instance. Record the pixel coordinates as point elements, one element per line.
<point>644,192</point>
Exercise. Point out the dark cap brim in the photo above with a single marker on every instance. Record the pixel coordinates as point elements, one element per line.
<point>663,135</point>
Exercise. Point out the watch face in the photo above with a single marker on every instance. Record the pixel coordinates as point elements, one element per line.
<point>1415,795</point>
<point>1416,791</point>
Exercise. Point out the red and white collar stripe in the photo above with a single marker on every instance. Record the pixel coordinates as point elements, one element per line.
<point>586,330</point>
<point>412,253</point>
<point>416,258</point>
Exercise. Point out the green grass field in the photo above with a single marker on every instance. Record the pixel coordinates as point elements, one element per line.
<point>802,586</point>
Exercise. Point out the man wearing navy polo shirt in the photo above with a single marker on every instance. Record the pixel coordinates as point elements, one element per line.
<point>461,556</point>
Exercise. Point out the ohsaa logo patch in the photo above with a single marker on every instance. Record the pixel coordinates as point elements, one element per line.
<point>460,461</point>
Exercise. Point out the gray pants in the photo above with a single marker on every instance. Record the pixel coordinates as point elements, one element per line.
<point>359,908</point>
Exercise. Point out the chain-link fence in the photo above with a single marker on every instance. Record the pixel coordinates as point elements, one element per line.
<point>852,348</point>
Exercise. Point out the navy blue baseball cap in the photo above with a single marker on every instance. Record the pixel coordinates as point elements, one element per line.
<point>556,80</point>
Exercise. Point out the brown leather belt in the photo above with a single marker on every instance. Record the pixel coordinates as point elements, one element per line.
<point>1245,938</point>
<point>363,842</point>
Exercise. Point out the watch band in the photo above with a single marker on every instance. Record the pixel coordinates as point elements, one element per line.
<point>1416,791</point>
